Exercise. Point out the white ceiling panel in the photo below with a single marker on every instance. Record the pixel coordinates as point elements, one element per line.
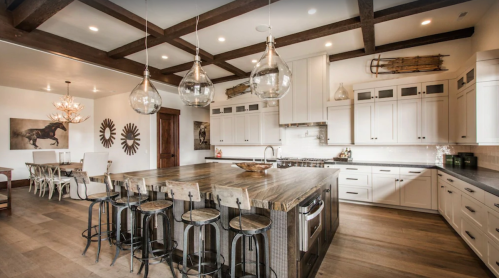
<point>385,4</point>
<point>166,13</point>
<point>342,42</point>
<point>175,56</point>
<point>442,20</point>
<point>287,17</point>
<point>36,70</point>
<point>73,21</point>
<point>212,71</point>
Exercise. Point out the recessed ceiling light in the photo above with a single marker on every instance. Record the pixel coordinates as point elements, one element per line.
<point>254,61</point>
<point>426,22</point>
<point>48,88</point>
<point>93,28</point>
<point>221,39</point>
<point>94,90</point>
<point>328,44</point>
<point>312,11</point>
<point>164,57</point>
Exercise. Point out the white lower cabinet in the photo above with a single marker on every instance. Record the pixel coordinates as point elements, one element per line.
<point>452,205</point>
<point>474,237</point>
<point>492,260</point>
<point>386,189</point>
<point>353,193</point>
<point>415,192</point>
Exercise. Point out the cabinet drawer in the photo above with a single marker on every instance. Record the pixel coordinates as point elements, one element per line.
<point>354,168</point>
<point>361,179</point>
<point>472,191</point>
<point>355,193</point>
<point>474,237</point>
<point>492,226</point>
<point>415,172</point>
<point>492,260</point>
<point>474,210</point>
<point>492,201</point>
<point>386,170</point>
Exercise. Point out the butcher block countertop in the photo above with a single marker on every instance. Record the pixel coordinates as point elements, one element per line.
<point>277,189</point>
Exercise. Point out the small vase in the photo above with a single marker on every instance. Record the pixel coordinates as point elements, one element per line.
<point>341,93</point>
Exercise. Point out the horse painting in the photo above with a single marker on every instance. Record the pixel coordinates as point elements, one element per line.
<point>21,130</point>
<point>47,132</point>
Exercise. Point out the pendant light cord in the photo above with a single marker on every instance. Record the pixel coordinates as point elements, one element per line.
<point>147,52</point>
<point>270,27</point>
<point>197,37</point>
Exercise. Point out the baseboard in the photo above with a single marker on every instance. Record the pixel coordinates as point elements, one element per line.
<point>390,206</point>
<point>16,183</point>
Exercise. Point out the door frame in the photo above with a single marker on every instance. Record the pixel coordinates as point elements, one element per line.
<point>176,114</point>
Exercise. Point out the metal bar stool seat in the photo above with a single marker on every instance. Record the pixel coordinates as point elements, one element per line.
<point>245,226</point>
<point>148,210</point>
<point>201,217</point>
<point>102,199</point>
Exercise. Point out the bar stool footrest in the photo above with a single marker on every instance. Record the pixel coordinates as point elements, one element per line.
<point>157,258</point>
<point>108,234</point>
<point>211,264</point>
<point>254,263</point>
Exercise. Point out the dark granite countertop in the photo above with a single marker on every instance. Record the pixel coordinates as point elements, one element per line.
<point>482,178</point>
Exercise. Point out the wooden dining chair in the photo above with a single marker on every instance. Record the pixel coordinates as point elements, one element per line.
<point>56,180</point>
<point>39,178</point>
<point>32,176</point>
<point>44,178</point>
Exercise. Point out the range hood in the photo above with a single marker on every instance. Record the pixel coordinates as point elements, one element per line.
<point>304,124</point>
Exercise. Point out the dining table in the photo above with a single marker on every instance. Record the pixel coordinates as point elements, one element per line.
<point>66,167</point>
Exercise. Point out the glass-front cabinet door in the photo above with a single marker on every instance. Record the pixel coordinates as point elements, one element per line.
<point>362,96</point>
<point>251,107</point>
<point>385,94</point>
<point>435,89</point>
<point>409,91</point>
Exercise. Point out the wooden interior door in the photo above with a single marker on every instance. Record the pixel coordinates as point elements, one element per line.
<point>168,137</point>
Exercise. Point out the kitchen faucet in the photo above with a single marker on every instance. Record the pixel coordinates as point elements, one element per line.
<point>265,153</point>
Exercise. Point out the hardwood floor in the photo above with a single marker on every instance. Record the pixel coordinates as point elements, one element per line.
<point>43,239</point>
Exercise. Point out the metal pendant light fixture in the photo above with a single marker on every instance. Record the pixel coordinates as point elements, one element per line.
<point>145,99</point>
<point>271,77</point>
<point>196,88</point>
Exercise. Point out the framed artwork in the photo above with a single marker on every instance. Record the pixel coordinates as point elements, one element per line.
<point>201,136</point>
<point>27,134</point>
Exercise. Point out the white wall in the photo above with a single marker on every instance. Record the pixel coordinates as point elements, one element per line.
<point>486,36</point>
<point>118,109</point>
<point>26,104</point>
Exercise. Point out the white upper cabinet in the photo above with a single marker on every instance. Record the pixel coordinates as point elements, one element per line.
<point>385,94</point>
<point>435,89</point>
<point>272,134</point>
<point>362,96</point>
<point>304,103</point>
<point>435,120</point>
<point>364,123</point>
<point>409,121</point>
<point>409,91</point>
<point>466,116</point>
<point>488,112</point>
<point>222,130</point>
<point>339,126</point>
<point>385,122</point>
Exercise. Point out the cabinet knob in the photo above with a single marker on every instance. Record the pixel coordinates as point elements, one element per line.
<point>419,137</point>
<point>376,138</point>
<point>419,93</point>
<point>424,92</point>
<point>372,97</point>
<point>376,96</point>
<point>396,179</point>
<point>424,137</point>
<point>280,139</point>
<point>401,180</point>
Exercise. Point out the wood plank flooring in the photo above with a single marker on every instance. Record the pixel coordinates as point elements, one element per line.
<point>42,239</point>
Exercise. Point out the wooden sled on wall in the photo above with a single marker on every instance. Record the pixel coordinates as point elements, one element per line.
<point>407,64</point>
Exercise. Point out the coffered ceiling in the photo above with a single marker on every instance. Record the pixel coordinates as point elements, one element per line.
<point>353,28</point>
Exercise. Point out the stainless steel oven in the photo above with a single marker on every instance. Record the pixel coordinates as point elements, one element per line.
<point>310,221</point>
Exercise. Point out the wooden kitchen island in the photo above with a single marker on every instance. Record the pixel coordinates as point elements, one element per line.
<point>276,193</point>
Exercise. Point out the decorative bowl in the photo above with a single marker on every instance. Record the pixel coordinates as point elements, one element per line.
<point>254,166</point>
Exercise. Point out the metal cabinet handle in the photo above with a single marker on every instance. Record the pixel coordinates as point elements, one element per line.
<point>439,175</point>
<point>424,92</point>
<point>419,93</point>
<point>352,193</point>
<point>424,137</point>
<point>352,179</point>
<point>419,137</point>
<point>442,186</point>
<point>497,263</point>
<point>497,230</point>
<point>463,136</point>
<point>385,170</point>
<point>327,190</point>
<point>396,179</point>
<point>401,180</point>
<point>449,191</point>
<point>414,172</point>
<point>496,205</point>
<point>469,190</point>
<point>450,180</point>
<point>472,237</point>
<point>352,169</point>
<point>376,138</point>
<point>470,209</point>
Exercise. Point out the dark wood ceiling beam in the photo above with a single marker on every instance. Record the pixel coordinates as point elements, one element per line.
<point>212,17</point>
<point>181,67</point>
<point>442,37</point>
<point>366,10</point>
<point>326,30</point>
<point>125,15</point>
<point>190,48</point>
<point>12,4</point>
<point>411,8</point>
<point>230,78</point>
<point>50,43</point>
<point>228,67</point>
<point>32,13</point>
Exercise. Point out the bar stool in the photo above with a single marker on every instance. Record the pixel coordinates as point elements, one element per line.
<point>188,191</point>
<point>148,210</point>
<point>131,203</point>
<point>246,226</point>
<point>102,199</point>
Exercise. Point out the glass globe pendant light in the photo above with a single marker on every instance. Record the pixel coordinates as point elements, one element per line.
<point>145,99</point>
<point>271,77</point>
<point>196,88</point>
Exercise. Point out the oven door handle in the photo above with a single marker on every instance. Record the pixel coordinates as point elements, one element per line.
<point>311,216</point>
